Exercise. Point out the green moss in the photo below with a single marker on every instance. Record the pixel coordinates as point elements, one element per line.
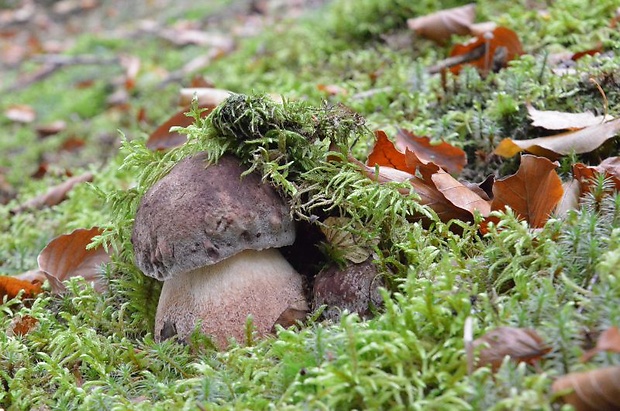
<point>94,351</point>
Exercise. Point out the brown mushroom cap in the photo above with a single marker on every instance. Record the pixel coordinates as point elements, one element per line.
<point>201,213</point>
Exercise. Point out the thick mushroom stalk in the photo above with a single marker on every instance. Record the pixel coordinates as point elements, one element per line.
<point>222,295</point>
<point>211,236</point>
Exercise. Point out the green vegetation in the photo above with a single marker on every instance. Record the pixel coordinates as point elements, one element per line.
<point>96,351</point>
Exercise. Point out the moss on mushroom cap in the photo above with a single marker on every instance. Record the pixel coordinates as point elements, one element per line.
<point>200,214</point>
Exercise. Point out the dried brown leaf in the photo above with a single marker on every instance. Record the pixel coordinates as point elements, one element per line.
<point>520,344</point>
<point>22,325</point>
<point>557,120</point>
<point>385,154</point>
<point>446,156</point>
<point>20,113</point>
<point>570,198</point>
<point>533,192</point>
<point>585,174</point>
<point>596,390</point>
<point>609,340</point>
<point>46,130</point>
<point>10,287</point>
<point>460,195</point>
<point>488,51</point>
<point>66,256</point>
<point>206,96</point>
<point>440,26</point>
<point>580,141</point>
<point>54,195</point>
<point>162,138</point>
<point>436,188</point>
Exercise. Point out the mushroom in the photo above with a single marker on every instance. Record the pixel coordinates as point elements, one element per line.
<point>212,235</point>
<point>354,288</point>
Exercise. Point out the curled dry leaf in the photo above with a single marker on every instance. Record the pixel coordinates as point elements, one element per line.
<point>54,195</point>
<point>20,113</point>
<point>460,195</point>
<point>569,200</point>
<point>289,317</point>
<point>351,246</point>
<point>12,286</point>
<point>385,154</point>
<point>520,344</point>
<point>440,26</point>
<point>596,390</point>
<point>66,256</point>
<point>131,64</point>
<point>446,156</point>
<point>162,138</point>
<point>436,188</point>
<point>32,276</point>
<point>206,96</point>
<point>584,174</point>
<point>46,130</point>
<point>487,52</point>
<point>22,325</point>
<point>533,192</point>
<point>332,89</point>
<point>609,340</point>
<point>580,141</point>
<point>557,120</point>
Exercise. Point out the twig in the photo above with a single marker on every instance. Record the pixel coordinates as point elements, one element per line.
<point>456,60</point>
<point>53,63</point>
<point>369,93</point>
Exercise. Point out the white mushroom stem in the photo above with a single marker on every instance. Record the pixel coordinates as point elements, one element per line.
<point>221,296</point>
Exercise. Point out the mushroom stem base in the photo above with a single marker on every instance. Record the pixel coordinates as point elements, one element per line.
<point>261,284</point>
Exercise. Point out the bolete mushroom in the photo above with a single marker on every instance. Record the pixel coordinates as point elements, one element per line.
<point>212,235</point>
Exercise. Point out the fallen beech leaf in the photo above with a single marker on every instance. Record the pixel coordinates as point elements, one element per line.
<point>50,129</point>
<point>162,138</point>
<point>22,325</point>
<point>66,256</point>
<point>426,190</point>
<point>440,26</point>
<point>20,113</point>
<point>131,64</point>
<point>584,174</point>
<point>7,192</point>
<point>206,96</point>
<point>477,29</point>
<point>289,317</point>
<point>32,276</point>
<point>611,165</point>
<point>344,241</point>
<point>54,195</point>
<point>446,156</point>
<point>11,287</point>
<point>460,195</point>
<point>570,198</point>
<point>596,390</point>
<point>609,340</point>
<point>520,344</point>
<point>533,192</point>
<point>487,52</point>
<point>385,154</point>
<point>580,141</point>
<point>436,188</point>
<point>332,89</point>
<point>72,144</point>
<point>557,120</point>
<point>483,189</point>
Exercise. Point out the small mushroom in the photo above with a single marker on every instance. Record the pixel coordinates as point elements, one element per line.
<point>354,288</point>
<point>212,236</point>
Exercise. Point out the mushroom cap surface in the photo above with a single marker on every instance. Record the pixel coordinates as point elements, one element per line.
<point>201,213</point>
